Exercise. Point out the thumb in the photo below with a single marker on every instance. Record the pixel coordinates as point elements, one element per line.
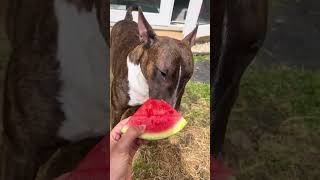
<point>129,137</point>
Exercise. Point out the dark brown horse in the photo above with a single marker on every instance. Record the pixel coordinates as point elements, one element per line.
<point>239,29</point>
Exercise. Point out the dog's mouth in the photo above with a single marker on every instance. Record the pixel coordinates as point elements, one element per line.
<point>171,101</point>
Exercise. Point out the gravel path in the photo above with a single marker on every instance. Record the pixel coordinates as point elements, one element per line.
<point>201,48</point>
<point>201,72</point>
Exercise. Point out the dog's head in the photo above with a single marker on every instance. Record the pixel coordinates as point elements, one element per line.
<point>161,65</point>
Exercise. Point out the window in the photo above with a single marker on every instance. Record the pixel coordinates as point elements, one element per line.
<point>177,14</point>
<point>157,12</point>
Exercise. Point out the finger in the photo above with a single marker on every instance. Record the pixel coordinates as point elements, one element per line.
<point>120,125</point>
<point>130,136</point>
<point>115,134</point>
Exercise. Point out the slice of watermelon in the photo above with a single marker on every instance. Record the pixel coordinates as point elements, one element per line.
<point>160,118</point>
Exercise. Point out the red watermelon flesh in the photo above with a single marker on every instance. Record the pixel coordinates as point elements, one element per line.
<point>160,118</point>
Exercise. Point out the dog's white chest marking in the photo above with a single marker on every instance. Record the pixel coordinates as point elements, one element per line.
<point>138,86</point>
<point>82,53</point>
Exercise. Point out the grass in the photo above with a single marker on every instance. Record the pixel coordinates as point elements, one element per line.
<point>274,128</point>
<point>185,155</point>
<point>201,58</point>
<point>196,104</point>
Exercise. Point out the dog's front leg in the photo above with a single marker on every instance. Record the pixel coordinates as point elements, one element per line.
<point>119,99</point>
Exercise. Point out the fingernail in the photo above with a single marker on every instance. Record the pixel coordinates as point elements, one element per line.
<point>117,137</point>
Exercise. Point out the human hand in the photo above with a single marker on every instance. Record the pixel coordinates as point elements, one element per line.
<point>123,148</point>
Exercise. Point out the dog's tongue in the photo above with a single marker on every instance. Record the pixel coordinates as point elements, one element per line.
<point>94,166</point>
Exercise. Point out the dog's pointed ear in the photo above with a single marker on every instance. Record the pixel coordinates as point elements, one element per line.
<point>190,39</point>
<point>146,32</point>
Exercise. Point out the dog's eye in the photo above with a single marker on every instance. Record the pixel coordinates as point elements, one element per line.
<point>163,74</point>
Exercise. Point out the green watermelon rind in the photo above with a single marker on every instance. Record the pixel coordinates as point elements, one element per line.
<point>181,123</point>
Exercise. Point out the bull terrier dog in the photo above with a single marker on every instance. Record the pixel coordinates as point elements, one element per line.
<point>145,66</point>
<point>55,87</point>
